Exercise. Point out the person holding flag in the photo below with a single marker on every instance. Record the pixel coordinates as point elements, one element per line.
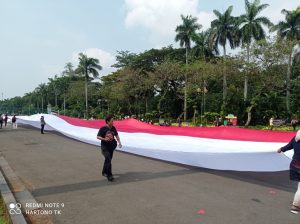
<point>294,168</point>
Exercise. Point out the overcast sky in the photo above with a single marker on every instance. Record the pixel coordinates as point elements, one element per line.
<point>39,37</point>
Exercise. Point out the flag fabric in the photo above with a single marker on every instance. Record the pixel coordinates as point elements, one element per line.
<point>222,148</point>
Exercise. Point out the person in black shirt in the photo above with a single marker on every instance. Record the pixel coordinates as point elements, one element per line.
<point>43,123</point>
<point>108,135</point>
<point>5,120</point>
<point>14,122</point>
<point>294,168</point>
<point>1,120</point>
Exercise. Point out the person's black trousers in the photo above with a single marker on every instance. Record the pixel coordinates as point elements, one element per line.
<point>108,155</point>
<point>42,128</point>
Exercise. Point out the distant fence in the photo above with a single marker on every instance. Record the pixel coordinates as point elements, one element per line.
<point>279,122</point>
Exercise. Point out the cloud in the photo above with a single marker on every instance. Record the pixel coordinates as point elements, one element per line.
<point>205,19</point>
<point>160,17</point>
<point>273,12</point>
<point>105,58</point>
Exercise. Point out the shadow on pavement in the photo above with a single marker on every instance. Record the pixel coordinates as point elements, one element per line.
<point>278,180</point>
<point>119,179</point>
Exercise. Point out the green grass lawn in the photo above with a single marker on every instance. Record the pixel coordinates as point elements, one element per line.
<point>275,128</point>
<point>4,217</point>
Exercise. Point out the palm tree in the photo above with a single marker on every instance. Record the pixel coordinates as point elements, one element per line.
<point>222,29</point>
<point>68,70</point>
<point>86,67</point>
<point>184,35</point>
<point>63,84</point>
<point>202,46</point>
<point>42,90</point>
<point>251,27</point>
<point>289,30</point>
<point>54,88</point>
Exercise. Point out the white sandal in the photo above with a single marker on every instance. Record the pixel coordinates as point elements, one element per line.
<point>295,209</point>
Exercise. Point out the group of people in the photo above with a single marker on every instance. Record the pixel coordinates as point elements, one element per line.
<point>294,123</point>
<point>4,120</point>
<point>109,137</point>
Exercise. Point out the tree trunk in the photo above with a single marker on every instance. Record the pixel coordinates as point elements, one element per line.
<point>185,87</point>
<point>288,78</point>
<point>224,79</point>
<point>249,114</point>
<point>250,108</point>
<point>86,96</point>
<point>42,104</point>
<point>160,100</point>
<point>129,107</point>
<point>246,74</point>
<point>204,97</point>
<point>64,103</point>
<point>186,55</point>
<point>56,99</point>
<point>146,101</point>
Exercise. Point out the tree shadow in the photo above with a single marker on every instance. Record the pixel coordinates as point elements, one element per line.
<point>277,180</point>
<point>119,179</point>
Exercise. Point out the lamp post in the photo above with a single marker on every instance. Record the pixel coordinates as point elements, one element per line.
<point>42,104</point>
<point>199,91</point>
<point>99,103</point>
<point>136,105</point>
<point>107,104</point>
<point>1,103</point>
<point>204,98</point>
<point>49,109</point>
<point>195,111</point>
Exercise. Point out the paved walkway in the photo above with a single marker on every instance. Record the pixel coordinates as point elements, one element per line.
<point>56,169</point>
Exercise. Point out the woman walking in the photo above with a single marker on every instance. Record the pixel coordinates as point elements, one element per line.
<point>294,169</point>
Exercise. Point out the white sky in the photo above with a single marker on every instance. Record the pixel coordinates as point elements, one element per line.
<point>39,37</point>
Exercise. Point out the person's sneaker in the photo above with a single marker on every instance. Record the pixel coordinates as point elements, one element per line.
<point>110,178</point>
<point>104,174</point>
<point>295,209</point>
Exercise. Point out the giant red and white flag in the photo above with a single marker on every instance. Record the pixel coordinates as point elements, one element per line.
<point>223,148</point>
